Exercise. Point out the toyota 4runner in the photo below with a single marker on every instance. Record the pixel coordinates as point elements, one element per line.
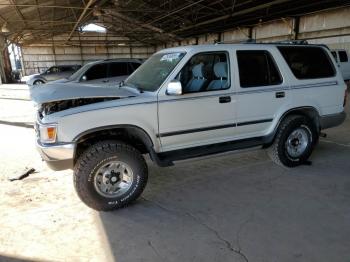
<point>188,102</point>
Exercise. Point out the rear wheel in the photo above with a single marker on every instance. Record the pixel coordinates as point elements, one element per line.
<point>294,141</point>
<point>110,175</point>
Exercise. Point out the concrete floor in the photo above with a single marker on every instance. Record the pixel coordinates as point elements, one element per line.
<point>238,207</point>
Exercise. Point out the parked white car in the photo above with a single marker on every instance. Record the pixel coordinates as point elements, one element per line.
<point>51,74</point>
<point>187,102</point>
<point>342,58</point>
<point>107,72</point>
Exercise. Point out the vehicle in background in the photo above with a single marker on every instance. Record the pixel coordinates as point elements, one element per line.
<point>342,58</point>
<point>51,74</point>
<point>104,72</point>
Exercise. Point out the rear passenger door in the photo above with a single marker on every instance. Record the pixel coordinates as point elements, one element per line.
<point>53,73</point>
<point>261,91</point>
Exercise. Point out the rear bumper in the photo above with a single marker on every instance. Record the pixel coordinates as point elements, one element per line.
<point>332,120</point>
<point>57,156</point>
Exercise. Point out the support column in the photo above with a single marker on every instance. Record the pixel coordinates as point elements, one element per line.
<point>296,27</point>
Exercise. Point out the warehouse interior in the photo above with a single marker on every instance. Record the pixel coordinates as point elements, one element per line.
<point>46,33</point>
<point>235,206</point>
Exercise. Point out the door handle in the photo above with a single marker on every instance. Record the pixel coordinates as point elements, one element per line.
<point>280,94</point>
<point>224,99</point>
<point>105,81</point>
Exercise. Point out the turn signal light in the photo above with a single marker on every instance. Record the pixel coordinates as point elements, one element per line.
<point>51,133</point>
<point>48,134</point>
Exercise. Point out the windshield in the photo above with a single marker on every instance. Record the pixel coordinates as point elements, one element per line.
<point>78,73</point>
<point>151,74</point>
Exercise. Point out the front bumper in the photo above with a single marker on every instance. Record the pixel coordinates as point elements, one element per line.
<point>332,120</point>
<point>57,156</point>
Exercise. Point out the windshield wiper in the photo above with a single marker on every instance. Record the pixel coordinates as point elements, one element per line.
<point>141,90</point>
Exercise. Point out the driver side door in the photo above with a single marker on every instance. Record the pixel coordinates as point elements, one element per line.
<point>205,112</point>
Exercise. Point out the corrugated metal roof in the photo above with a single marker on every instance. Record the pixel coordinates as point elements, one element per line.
<point>140,21</point>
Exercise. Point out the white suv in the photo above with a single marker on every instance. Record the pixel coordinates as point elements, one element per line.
<point>187,102</point>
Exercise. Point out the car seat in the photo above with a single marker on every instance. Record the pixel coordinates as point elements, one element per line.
<point>198,80</point>
<point>220,70</point>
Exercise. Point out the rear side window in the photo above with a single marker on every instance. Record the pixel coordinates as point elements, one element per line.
<point>307,62</point>
<point>257,68</point>
<point>96,72</point>
<point>118,69</point>
<point>343,57</point>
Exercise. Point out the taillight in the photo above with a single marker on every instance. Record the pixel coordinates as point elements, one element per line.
<point>345,97</point>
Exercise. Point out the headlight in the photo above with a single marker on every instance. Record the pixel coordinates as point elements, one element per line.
<point>47,133</point>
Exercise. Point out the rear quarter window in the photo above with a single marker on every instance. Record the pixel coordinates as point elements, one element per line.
<point>308,62</point>
<point>343,57</point>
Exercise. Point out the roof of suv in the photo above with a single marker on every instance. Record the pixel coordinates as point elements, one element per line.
<point>211,47</point>
<point>130,60</point>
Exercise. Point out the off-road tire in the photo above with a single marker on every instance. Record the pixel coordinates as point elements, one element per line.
<point>89,162</point>
<point>278,151</point>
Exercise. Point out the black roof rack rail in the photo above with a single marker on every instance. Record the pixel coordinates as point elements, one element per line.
<point>253,41</point>
<point>292,42</point>
<point>283,42</point>
<point>248,41</point>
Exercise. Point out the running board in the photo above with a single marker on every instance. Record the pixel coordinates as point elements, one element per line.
<point>167,158</point>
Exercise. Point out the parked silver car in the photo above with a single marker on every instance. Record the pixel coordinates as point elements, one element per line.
<point>51,74</point>
<point>104,72</point>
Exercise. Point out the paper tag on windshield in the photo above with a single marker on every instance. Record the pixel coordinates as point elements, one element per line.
<point>170,57</point>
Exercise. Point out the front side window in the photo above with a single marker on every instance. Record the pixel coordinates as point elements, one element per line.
<point>152,73</point>
<point>77,73</point>
<point>52,70</point>
<point>66,68</point>
<point>205,72</point>
<point>96,72</point>
<point>118,69</point>
<point>308,62</point>
<point>133,66</point>
<point>257,68</point>
<point>343,57</point>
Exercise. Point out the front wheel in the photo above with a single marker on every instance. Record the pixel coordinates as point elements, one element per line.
<point>38,82</point>
<point>294,141</point>
<point>110,175</point>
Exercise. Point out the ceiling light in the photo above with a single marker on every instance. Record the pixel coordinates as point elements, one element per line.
<point>4,28</point>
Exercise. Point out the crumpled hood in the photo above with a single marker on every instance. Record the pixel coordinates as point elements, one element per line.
<point>67,91</point>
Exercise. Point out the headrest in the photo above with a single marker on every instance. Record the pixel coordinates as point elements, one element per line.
<point>197,70</point>
<point>220,69</point>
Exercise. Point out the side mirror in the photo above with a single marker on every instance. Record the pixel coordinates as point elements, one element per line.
<point>174,88</point>
<point>84,78</point>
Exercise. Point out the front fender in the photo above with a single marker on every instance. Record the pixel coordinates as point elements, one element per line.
<point>142,116</point>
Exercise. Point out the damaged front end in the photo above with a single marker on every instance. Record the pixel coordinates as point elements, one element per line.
<point>52,98</point>
<point>57,106</point>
